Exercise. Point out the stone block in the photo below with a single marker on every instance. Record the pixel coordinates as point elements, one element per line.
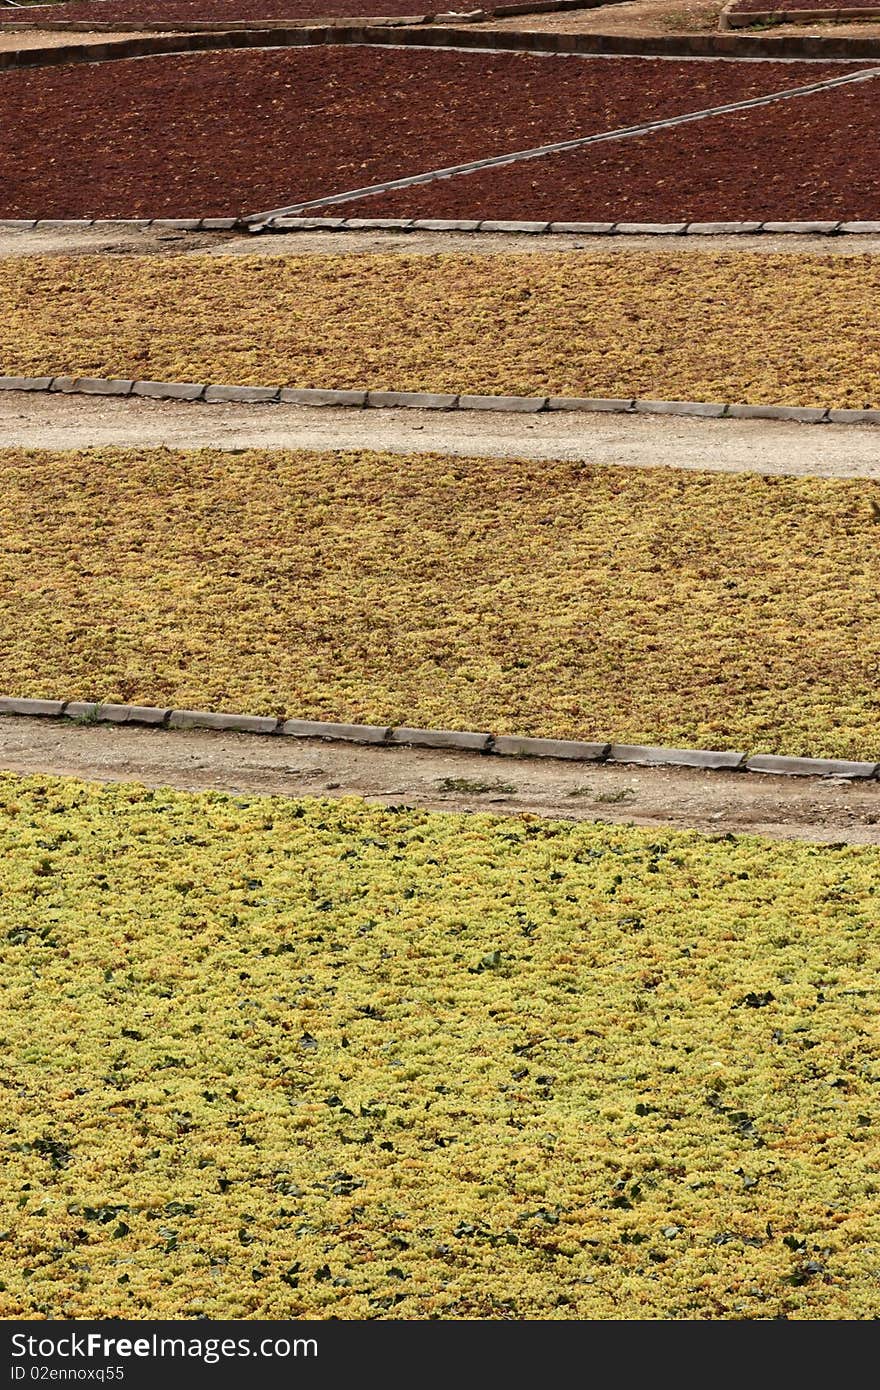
<point>808,415</point>
<point>25,383</point>
<point>440,224</point>
<point>709,409</point>
<point>308,395</point>
<point>346,733</point>
<point>511,746</point>
<point>378,224</point>
<point>530,228</point>
<point>51,709</point>
<point>582,228</point>
<point>170,390</point>
<point>861,228</point>
<point>801,228</point>
<point>648,755</point>
<point>854,417</point>
<point>92,385</point>
<point>441,738</point>
<point>723,228</point>
<point>250,394</point>
<point>650,228</point>
<point>809,767</point>
<point>232,723</point>
<point>526,404</point>
<point>420,400</point>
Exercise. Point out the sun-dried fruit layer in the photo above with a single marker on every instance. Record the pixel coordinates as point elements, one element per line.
<point>221,134</point>
<point>279,1059</point>
<point>777,329</point>
<point>812,158</point>
<point>183,11</point>
<point>697,610</point>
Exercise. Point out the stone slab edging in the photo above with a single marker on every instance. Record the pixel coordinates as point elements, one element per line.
<point>499,161</point>
<point>732,18</point>
<point>712,45</point>
<point>501,745</point>
<point>198,391</point>
<point>439,224</point>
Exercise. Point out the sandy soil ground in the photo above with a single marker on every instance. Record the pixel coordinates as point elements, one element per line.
<point>639,441</point>
<point>104,241</point>
<point>651,17</point>
<point>505,244</point>
<point>637,17</point>
<point>47,38</point>
<point>720,803</point>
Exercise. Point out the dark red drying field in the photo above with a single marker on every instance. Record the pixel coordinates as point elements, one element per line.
<point>811,158</point>
<point>189,11</point>
<point>217,134</point>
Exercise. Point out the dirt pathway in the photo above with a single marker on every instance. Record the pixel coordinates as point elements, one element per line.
<point>785,808</point>
<point>641,441</point>
<point>647,18</point>
<point>47,38</point>
<point>119,241</point>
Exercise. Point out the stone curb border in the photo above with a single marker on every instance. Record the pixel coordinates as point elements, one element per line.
<point>807,47</point>
<point>121,224</point>
<point>677,229</point>
<point>429,400</point>
<point>731,18</point>
<point>438,224</point>
<point>502,745</point>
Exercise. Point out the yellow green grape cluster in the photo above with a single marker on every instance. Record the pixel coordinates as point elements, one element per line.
<point>270,1059</point>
